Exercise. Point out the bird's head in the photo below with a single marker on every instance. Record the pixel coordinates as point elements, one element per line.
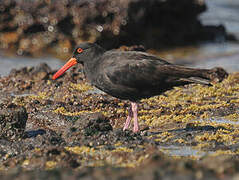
<point>82,53</point>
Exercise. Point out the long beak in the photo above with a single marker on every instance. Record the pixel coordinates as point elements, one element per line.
<point>70,63</point>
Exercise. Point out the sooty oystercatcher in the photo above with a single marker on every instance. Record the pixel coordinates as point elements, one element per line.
<point>133,75</point>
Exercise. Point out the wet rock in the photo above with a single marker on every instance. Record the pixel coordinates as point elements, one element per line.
<point>43,67</point>
<point>41,72</point>
<point>42,138</point>
<point>88,125</point>
<point>193,127</point>
<point>12,122</point>
<point>97,123</point>
<point>95,129</point>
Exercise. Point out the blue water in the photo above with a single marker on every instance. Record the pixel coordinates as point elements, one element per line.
<point>8,63</point>
<point>222,12</point>
<point>211,55</point>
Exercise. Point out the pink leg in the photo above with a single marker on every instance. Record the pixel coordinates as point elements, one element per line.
<point>135,114</point>
<point>128,120</point>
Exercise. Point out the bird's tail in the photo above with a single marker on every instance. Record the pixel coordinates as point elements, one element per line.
<point>200,76</point>
<point>216,74</point>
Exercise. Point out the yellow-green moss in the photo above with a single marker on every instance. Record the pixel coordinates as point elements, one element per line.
<point>82,87</point>
<point>163,137</point>
<point>50,164</point>
<point>26,162</point>
<point>219,136</point>
<point>81,149</point>
<point>98,156</point>
<point>62,110</point>
<point>122,149</point>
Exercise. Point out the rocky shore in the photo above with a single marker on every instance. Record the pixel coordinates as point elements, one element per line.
<point>67,124</point>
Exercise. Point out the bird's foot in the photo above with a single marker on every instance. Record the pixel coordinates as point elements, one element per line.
<point>136,129</point>
<point>125,127</point>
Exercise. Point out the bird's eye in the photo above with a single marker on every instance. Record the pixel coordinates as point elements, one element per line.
<point>79,50</point>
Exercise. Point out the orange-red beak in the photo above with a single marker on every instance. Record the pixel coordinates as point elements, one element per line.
<point>70,63</point>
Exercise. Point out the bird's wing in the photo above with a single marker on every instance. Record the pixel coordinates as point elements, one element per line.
<point>141,70</point>
<point>132,56</point>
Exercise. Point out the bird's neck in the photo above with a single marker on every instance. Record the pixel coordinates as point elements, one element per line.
<point>92,55</point>
<point>90,66</point>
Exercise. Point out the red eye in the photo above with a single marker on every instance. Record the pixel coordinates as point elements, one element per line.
<point>79,50</point>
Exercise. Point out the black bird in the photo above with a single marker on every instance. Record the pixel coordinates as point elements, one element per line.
<point>133,75</point>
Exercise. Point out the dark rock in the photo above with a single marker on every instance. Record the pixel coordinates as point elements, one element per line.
<point>43,67</point>
<point>12,122</point>
<point>41,72</point>
<point>193,127</point>
<point>33,26</point>
<point>42,138</point>
<point>90,124</point>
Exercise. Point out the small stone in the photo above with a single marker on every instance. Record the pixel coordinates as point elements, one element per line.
<point>41,72</point>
